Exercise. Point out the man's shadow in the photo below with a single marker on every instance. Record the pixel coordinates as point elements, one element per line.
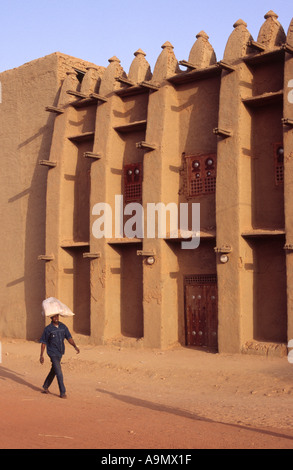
<point>187,414</point>
<point>7,374</point>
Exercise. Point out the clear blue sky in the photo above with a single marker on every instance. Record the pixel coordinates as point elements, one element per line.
<point>95,30</point>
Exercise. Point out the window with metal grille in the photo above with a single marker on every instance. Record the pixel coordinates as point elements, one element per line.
<point>133,182</point>
<point>201,171</point>
<point>200,279</point>
<point>279,163</point>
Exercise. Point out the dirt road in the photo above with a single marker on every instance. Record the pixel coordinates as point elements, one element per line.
<point>126,398</point>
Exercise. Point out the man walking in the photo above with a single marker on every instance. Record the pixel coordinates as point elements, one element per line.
<point>53,337</point>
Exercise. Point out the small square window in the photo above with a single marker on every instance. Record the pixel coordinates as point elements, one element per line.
<point>201,174</point>
<point>133,182</point>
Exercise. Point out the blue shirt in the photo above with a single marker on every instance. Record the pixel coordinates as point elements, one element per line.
<point>54,337</point>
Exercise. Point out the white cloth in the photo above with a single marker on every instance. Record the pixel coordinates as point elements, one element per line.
<point>52,306</point>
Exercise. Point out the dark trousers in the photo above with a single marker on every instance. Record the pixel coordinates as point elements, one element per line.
<point>55,371</point>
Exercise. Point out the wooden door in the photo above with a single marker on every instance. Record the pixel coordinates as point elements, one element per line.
<point>201,312</point>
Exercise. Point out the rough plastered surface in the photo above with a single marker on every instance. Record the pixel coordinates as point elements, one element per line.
<point>237,112</point>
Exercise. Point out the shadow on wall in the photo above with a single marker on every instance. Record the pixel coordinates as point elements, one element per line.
<point>35,238</point>
<point>35,229</point>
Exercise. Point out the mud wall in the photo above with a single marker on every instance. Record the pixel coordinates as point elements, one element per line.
<point>26,139</point>
<point>166,125</point>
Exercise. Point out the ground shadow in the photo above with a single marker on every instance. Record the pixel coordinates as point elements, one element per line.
<point>185,414</point>
<point>7,374</point>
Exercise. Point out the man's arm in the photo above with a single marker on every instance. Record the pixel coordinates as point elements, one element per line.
<point>71,341</point>
<point>42,353</point>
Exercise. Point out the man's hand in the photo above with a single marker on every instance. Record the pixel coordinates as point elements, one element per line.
<point>71,341</point>
<point>43,346</point>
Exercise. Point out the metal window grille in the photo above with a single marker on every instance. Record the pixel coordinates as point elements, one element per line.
<point>196,187</point>
<point>279,163</point>
<point>210,184</point>
<point>133,182</point>
<point>200,279</point>
<point>201,170</point>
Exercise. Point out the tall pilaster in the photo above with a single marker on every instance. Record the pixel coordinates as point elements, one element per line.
<point>67,230</point>
<point>159,298</point>
<point>233,137</point>
<point>288,173</point>
<point>60,145</point>
<point>105,183</point>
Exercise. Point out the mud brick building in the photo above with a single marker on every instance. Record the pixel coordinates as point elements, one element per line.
<point>201,130</point>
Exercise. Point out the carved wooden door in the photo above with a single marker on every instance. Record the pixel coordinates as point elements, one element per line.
<point>201,312</point>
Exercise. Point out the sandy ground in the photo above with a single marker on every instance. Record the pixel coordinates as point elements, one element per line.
<point>127,398</point>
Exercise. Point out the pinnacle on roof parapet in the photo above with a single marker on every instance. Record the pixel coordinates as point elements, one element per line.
<point>114,59</point>
<point>240,22</point>
<point>271,33</point>
<point>140,69</point>
<point>271,14</point>
<point>139,52</point>
<point>69,83</point>
<point>90,82</point>
<point>167,44</point>
<point>237,44</point>
<point>109,81</point>
<point>166,64</point>
<point>202,54</point>
<point>202,34</point>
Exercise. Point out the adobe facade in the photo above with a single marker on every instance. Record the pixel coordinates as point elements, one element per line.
<point>218,133</point>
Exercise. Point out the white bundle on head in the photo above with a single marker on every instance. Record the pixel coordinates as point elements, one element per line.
<point>53,306</point>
